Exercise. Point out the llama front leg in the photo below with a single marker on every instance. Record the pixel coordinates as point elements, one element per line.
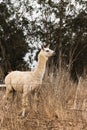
<point>24,103</point>
<point>36,100</point>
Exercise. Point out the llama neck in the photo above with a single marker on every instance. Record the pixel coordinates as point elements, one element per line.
<point>40,69</point>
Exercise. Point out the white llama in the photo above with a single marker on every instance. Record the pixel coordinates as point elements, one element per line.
<point>25,81</point>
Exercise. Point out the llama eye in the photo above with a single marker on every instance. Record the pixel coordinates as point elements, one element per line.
<point>47,50</point>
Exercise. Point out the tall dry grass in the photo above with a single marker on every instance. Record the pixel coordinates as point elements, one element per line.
<point>57,95</point>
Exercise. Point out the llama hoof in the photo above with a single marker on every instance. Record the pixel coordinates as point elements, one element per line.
<point>22,114</point>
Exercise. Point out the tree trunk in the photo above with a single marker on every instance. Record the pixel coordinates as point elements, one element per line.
<point>60,39</point>
<point>6,63</point>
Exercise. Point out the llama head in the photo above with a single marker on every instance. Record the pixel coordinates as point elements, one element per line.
<point>46,52</point>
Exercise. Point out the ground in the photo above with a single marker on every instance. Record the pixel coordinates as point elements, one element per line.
<point>68,119</point>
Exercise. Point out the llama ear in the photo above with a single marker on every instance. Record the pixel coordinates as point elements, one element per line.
<point>48,45</point>
<point>45,46</point>
<point>42,47</point>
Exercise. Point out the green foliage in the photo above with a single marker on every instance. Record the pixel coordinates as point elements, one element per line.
<point>12,40</point>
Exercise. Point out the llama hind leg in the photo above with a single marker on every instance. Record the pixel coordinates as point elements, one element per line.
<point>9,94</point>
<point>7,99</point>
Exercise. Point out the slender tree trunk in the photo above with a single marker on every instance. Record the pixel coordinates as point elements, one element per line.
<point>60,39</point>
<point>6,63</point>
<point>60,51</point>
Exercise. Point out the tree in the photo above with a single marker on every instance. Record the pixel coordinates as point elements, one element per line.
<point>12,40</point>
<point>59,24</point>
<point>68,34</point>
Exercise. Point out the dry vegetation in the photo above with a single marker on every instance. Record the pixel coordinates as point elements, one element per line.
<point>61,105</point>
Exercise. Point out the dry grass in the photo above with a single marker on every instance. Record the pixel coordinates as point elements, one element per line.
<point>59,93</point>
<point>61,105</point>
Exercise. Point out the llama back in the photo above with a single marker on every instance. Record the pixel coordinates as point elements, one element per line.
<point>15,80</point>
<point>18,79</point>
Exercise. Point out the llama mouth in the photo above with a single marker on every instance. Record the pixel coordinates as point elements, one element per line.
<point>53,53</point>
